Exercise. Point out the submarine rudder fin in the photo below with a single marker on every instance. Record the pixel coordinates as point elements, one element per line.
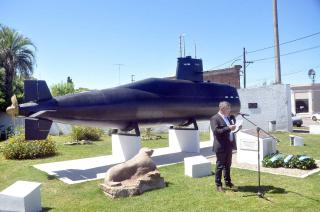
<point>36,91</point>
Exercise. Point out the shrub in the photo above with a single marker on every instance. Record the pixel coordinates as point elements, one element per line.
<point>86,133</point>
<point>148,135</point>
<point>18,148</point>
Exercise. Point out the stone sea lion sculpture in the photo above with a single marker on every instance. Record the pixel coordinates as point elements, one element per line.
<point>133,177</point>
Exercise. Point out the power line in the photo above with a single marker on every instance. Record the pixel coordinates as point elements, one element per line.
<point>289,53</point>
<point>269,47</point>
<point>286,74</point>
<point>269,78</point>
<point>291,41</point>
<point>227,62</point>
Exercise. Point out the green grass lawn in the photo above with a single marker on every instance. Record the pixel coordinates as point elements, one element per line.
<point>311,147</point>
<point>182,193</point>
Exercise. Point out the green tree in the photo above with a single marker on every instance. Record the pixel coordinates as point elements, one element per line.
<point>17,57</point>
<point>17,86</point>
<point>2,100</point>
<point>62,88</point>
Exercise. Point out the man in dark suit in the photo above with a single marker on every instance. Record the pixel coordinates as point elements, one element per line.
<point>224,141</point>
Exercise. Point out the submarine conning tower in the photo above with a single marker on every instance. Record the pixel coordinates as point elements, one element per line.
<point>189,68</point>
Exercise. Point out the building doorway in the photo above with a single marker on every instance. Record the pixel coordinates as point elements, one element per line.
<point>302,106</point>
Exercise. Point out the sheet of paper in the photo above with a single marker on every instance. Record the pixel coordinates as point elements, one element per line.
<point>238,126</point>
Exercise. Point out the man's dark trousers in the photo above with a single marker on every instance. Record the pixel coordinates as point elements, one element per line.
<point>223,164</point>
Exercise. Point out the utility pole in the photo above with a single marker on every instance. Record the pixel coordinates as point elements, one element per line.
<point>244,67</point>
<point>132,77</point>
<point>245,62</point>
<point>276,44</point>
<point>119,67</point>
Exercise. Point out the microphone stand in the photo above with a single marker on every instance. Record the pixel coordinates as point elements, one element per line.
<point>260,193</point>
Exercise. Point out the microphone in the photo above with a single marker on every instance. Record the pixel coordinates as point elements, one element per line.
<point>243,114</point>
<point>232,119</point>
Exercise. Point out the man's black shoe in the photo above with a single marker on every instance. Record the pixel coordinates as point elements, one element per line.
<point>220,189</point>
<point>230,185</point>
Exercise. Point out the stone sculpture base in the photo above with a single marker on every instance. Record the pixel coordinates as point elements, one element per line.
<point>150,181</point>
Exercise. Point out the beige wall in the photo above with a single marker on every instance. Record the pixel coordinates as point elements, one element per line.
<point>316,101</point>
<point>304,95</point>
<point>310,92</point>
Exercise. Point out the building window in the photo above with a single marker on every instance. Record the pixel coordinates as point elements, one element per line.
<point>302,106</point>
<point>252,105</point>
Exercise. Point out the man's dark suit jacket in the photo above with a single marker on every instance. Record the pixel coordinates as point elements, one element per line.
<point>221,134</point>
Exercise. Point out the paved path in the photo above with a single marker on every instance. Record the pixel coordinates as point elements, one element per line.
<point>87,169</point>
<point>82,170</point>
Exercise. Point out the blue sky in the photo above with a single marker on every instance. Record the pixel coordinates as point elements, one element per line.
<point>84,39</point>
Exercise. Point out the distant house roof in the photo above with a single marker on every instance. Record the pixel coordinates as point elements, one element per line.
<point>306,86</point>
<point>230,76</point>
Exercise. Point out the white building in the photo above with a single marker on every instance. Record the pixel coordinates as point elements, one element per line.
<point>305,99</point>
<point>266,105</point>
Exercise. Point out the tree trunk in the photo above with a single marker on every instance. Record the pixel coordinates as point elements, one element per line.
<point>8,86</point>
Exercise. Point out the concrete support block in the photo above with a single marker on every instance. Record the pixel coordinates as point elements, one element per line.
<point>125,147</point>
<point>296,140</point>
<point>197,166</point>
<point>21,196</point>
<point>184,140</point>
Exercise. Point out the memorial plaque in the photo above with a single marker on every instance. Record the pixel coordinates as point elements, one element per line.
<point>249,145</point>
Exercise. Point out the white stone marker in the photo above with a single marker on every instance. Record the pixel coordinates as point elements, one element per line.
<point>125,147</point>
<point>21,196</point>
<point>184,140</point>
<point>314,129</point>
<point>296,140</point>
<point>247,146</point>
<point>197,166</point>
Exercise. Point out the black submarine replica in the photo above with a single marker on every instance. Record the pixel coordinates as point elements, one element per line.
<point>180,102</point>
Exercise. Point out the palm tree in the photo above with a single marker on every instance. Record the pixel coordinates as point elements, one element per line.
<point>16,58</point>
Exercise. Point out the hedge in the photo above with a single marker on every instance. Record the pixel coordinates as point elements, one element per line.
<point>86,133</point>
<point>18,148</point>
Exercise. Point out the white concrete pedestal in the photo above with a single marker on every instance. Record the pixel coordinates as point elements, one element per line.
<point>125,147</point>
<point>247,146</point>
<point>184,140</point>
<point>21,196</point>
<point>197,166</point>
<point>296,140</point>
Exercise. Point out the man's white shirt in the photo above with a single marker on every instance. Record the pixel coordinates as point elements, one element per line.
<point>228,124</point>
